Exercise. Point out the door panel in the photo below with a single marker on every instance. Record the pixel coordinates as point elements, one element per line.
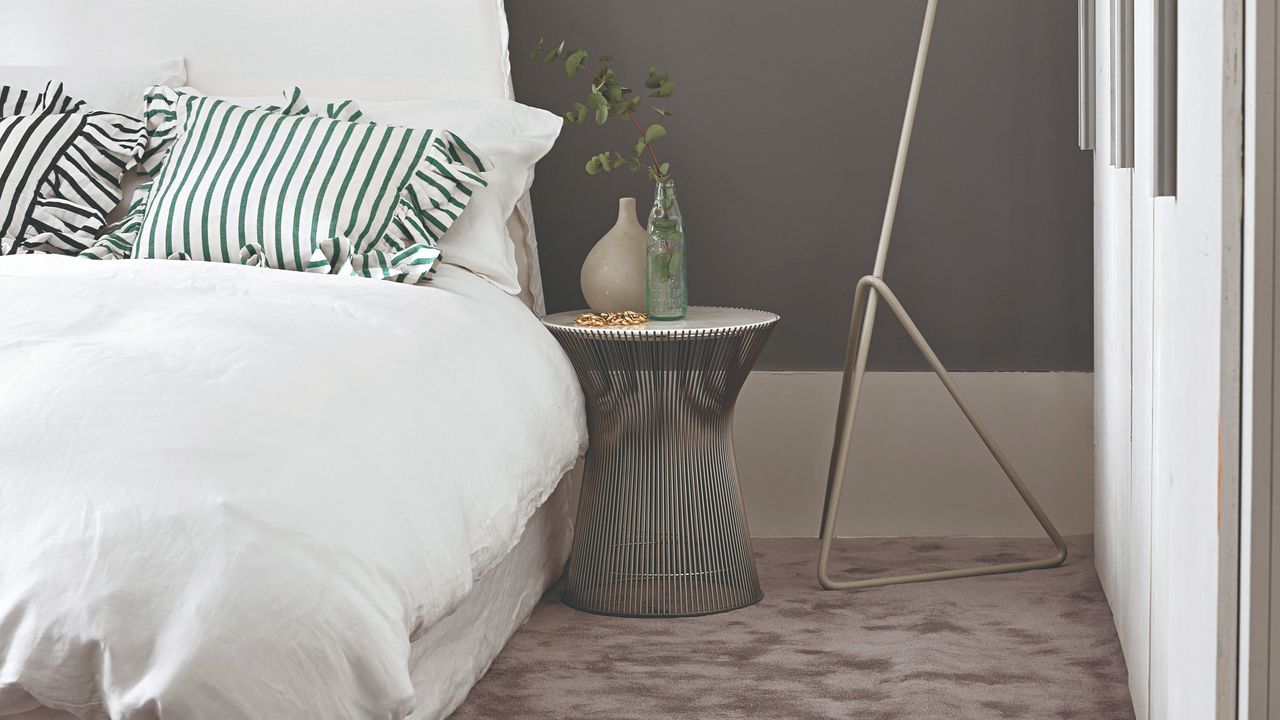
<point>1167,315</point>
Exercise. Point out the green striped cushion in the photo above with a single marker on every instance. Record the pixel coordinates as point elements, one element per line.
<point>281,187</point>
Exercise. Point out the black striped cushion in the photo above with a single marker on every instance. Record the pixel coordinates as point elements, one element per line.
<point>60,169</point>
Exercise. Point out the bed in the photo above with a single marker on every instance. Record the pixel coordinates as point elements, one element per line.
<point>231,492</point>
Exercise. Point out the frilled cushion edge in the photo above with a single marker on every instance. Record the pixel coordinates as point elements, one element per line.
<point>82,183</point>
<point>436,194</point>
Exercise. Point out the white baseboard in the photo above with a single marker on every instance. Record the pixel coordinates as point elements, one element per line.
<point>916,467</point>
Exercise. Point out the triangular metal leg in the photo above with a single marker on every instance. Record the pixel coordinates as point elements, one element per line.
<point>869,288</point>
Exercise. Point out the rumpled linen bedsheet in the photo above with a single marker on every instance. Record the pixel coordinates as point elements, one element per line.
<point>229,492</point>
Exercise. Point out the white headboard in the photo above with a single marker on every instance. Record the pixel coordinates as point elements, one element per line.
<point>373,49</point>
<point>369,49</point>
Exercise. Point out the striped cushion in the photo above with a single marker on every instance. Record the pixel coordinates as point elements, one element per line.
<point>281,187</point>
<point>60,169</point>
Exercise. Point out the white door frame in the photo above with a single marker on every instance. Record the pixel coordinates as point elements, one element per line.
<point>1259,635</point>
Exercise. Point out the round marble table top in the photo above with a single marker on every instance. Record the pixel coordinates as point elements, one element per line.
<point>699,319</point>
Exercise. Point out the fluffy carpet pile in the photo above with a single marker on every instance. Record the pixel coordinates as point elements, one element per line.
<point>1035,645</point>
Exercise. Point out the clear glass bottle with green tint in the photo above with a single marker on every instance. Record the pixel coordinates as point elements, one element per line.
<point>666,289</point>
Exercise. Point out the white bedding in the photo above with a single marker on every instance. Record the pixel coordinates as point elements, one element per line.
<point>449,658</point>
<point>228,492</point>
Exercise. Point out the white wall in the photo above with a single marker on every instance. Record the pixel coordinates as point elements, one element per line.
<point>916,467</point>
<point>1167,345</point>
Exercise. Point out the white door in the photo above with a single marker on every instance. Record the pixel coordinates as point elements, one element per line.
<point>1168,358</point>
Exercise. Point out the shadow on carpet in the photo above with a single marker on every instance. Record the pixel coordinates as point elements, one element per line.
<point>1035,645</point>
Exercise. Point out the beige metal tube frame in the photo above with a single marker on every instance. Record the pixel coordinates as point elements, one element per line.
<point>869,289</point>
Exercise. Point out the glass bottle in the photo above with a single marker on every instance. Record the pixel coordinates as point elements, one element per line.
<point>666,288</point>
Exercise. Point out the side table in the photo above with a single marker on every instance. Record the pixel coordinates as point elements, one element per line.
<point>661,530</point>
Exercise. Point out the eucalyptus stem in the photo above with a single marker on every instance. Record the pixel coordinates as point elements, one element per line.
<point>609,98</point>
<point>634,121</point>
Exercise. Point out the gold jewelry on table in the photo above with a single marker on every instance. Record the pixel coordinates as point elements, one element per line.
<point>626,318</point>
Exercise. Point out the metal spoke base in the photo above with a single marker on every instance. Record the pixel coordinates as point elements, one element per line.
<point>661,530</point>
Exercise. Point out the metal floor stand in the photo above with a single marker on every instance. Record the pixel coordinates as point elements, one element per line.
<point>871,288</point>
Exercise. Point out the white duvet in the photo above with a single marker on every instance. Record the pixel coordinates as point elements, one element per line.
<point>229,492</point>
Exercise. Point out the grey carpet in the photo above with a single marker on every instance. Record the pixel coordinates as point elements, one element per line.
<point>1035,645</point>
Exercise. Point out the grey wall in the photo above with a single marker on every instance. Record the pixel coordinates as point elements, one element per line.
<point>787,119</point>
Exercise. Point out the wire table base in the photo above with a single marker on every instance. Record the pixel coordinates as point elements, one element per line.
<point>661,530</point>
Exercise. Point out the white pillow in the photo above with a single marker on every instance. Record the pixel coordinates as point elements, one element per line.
<point>515,137</point>
<point>115,88</point>
<point>491,239</point>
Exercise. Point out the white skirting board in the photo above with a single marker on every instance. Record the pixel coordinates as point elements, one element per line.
<point>916,467</point>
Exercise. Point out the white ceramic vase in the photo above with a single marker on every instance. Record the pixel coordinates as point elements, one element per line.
<point>613,274</point>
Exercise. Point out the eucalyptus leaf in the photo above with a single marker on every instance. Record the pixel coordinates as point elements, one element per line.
<point>551,56</point>
<point>602,114</point>
<point>593,166</point>
<point>664,169</point>
<point>666,89</point>
<point>573,63</point>
<point>654,132</point>
<point>660,267</point>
